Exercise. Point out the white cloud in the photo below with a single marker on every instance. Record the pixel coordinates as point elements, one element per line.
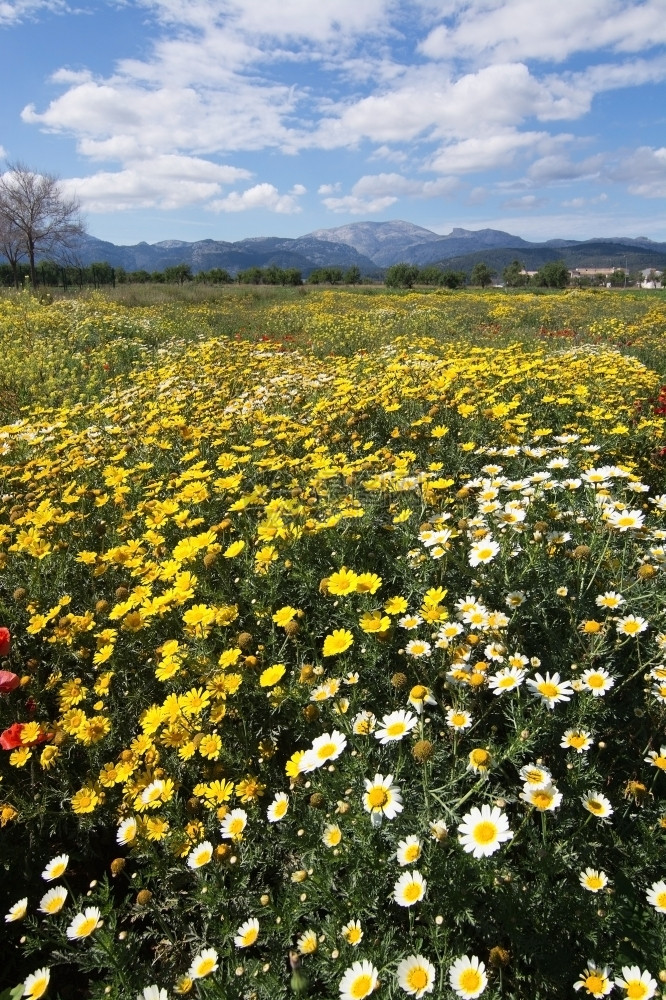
<point>485,152</point>
<point>167,182</point>
<point>263,196</point>
<point>14,11</point>
<point>644,171</point>
<point>508,30</point>
<point>374,193</point>
<point>353,205</point>
<point>557,167</point>
<point>528,202</point>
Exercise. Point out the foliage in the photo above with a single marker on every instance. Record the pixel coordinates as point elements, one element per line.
<point>401,275</point>
<point>481,275</point>
<point>285,546</point>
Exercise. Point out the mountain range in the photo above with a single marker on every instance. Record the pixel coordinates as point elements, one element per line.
<point>374,246</point>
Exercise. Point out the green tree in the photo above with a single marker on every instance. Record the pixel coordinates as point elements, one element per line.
<point>178,274</point>
<point>554,274</point>
<point>481,275</point>
<point>453,279</point>
<point>352,275</point>
<point>401,276</point>
<point>430,275</point>
<point>216,276</point>
<point>514,275</point>
<point>251,276</point>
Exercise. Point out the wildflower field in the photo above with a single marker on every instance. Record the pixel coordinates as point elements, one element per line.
<point>333,646</point>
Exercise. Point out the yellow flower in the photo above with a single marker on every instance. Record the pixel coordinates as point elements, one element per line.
<point>210,746</point>
<point>234,549</point>
<point>340,640</point>
<point>343,582</point>
<point>271,675</point>
<point>85,800</point>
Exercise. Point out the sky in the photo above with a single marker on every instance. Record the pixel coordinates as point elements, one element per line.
<point>227,119</point>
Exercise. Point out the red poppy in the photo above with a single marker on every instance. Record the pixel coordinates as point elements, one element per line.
<point>5,641</point>
<point>8,681</point>
<point>11,738</point>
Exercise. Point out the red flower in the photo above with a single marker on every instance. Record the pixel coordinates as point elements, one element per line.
<point>5,641</point>
<point>11,738</point>
<point>8,681</point>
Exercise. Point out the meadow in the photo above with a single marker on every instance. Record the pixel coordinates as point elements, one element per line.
<point>333,645</point>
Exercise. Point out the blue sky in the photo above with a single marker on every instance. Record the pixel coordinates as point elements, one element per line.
<point>223,119</point>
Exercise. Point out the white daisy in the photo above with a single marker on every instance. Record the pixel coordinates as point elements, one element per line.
<point>410,888</point>
<point>467,977</point>
<point>203,964</point>
<point>247,933</point>
<point>359,981</point>
<point>639,985</point>
<point>84,923</point>
<point>597,680</point>
<point>416,975</point>
<point>395,726</point>
<point>506,679</point>
<point>56,868</point>
<point>409,851</point>
<point>127,831</point>
<point>326,747</point>
<point>17,911</point>
<point>382,798</point>
<point>53,901</point>
<point>277,810</point>
<point>200,855</point>
<point>593,880</point>
<point>550,689</point>
<point>595,981</point>
<point>483,831</point>
<point>36,984</point>
<point>656,896</point>
<point>233,824</point>
<point>597,804</point>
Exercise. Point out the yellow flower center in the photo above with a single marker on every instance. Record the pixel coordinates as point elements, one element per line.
<point>361,986</point>
<point>417,978</point>
<point>542,800</point>
<point>458,719</point>
<point>470,980</point>
<point>660,900</point>
<point>419,692</point>
<point>485,832</point>
<point>594,882</point>
<point>595,806</point>
<point>577,740</point>
<point>595,983</point>
<point>236,825</point>
<point>206,966</point>
<point>480,758</point>
<point>412,891</point>
<point>250,937</point>
<point>395,729</point>
<point>326,751</point>
<point>595,681</point>
<point>548,690</point>
<point>636,990</point>
<point>87,926</point>
<point>413,852</point>
<point>377,797</point>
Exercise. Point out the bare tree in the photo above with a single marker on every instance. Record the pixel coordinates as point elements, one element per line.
<point>37,214</point>
<point>12,247</point>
